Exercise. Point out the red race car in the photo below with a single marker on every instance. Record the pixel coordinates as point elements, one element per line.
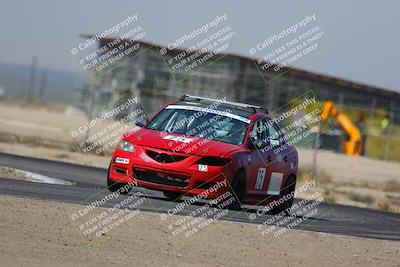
<point>201,146</point>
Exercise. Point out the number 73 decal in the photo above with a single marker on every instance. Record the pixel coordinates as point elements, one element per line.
<point>260,178</point>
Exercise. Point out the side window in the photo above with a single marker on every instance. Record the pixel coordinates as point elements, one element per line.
<point>258,134</point>
<point>273,134</point>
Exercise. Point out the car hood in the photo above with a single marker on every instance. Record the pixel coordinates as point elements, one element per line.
<point>180,143</point>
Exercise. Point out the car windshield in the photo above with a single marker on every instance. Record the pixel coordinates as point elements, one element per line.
<point>218,126</point>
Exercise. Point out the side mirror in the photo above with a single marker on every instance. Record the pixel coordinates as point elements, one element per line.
<point>142,123</point>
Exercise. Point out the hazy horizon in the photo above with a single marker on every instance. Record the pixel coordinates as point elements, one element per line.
<point>363,34</point>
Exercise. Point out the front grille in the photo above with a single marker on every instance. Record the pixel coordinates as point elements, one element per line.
<point>162,178</point>
<point>164,157</point>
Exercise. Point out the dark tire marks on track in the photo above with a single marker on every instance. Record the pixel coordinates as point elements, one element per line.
<point>336,219</point>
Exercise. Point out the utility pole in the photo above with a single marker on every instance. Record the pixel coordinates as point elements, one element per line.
<point>90,110</point>
<point>316,146</point>
<point>32,78</point>
<point>43,85</point>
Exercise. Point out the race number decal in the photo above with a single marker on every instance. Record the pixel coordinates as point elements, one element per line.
<point>203,168</point>
<point>260,178</point>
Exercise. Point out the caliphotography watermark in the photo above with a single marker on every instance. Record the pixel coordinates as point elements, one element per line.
<point>203,214</point>
<point>112,46</point>
<point>198,47</point>
<point>94,221</point>
<point>306,207</point>
<point>297,123</point>
<point>102,133</point>
<point>288,46</point>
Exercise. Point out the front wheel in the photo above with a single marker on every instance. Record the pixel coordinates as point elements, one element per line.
<point>238,191</point>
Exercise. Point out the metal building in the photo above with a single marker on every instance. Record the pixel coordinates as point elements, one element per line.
<point>148,76</point>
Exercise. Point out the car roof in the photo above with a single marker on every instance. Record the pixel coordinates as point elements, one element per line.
<point>246,113</point>
<point>240,109</point>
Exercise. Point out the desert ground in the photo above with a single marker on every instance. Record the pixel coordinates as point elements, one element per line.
<point>146,241</point>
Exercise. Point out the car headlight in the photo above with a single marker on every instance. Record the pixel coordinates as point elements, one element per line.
<point>126,146</point>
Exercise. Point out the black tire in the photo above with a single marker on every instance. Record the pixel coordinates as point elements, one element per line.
<point>116,186</point>
<point>172,195</point>
<point>238,191</point>
<point>289,187</point>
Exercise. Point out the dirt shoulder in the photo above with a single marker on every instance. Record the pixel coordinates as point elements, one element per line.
<point>55,154</point>
<point>39,233</point>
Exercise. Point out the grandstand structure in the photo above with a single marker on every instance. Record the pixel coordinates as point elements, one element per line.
<point>235,77</point>
<point>145,74</point>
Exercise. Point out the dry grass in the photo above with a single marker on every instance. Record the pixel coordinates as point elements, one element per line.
<point>384,206</point>
<point>305,174</point>
<point>10,173</point>
<point>361,198</point>
<point>392,186</point>
<point>327,193</point>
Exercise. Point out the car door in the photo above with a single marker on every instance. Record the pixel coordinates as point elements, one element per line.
<point>275,156</point>
<point>256,170</point>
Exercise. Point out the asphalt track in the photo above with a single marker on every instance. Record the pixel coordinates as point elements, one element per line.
<point>90,184</point>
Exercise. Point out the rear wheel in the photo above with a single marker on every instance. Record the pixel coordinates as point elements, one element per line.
<point>116,186</point>
<point>286,205</point>
<point>238,191</point>
<point>172,195</point>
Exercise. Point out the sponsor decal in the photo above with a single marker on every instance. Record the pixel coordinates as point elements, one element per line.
<point>178,139</point>
<point>122,160</point>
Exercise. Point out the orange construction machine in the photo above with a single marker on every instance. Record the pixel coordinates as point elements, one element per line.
<point>353,146</point>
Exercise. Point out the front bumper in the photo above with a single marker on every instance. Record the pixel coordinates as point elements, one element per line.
<point>183,176</point>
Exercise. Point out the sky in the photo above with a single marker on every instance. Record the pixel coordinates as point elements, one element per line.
<point>363,35</point>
